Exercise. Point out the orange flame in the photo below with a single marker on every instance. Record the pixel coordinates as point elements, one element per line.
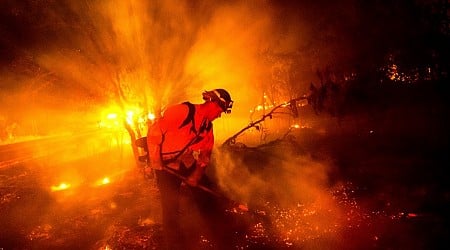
<point>60,187</point>
<point>103,181</point>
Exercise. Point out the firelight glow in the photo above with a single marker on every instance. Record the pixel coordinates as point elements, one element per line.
<point>111,116</point>
<point>60,187</point>
<point>151,116</point>
<point>103,181</point>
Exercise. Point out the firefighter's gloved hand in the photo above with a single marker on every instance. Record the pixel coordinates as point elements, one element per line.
<point>194,178</point>
<point>156,164</point>
<point>193,182</point>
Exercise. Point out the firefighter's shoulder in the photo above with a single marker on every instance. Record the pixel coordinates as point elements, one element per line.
<point>175,114</point>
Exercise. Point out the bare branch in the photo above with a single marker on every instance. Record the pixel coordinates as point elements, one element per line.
<point>232,139</point>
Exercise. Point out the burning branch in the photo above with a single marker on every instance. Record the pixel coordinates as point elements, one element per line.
<point>293,106</point>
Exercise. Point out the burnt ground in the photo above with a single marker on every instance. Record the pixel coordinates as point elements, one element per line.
<point>383,186</point>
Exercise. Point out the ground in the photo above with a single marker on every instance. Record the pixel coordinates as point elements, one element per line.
<point>358,182</point>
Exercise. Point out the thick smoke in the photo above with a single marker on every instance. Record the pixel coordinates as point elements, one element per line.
<point>85,53</point>
<point>66,60</point>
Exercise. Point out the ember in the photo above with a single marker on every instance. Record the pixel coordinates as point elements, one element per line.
<point>61,186</point>
<point>103,181</point>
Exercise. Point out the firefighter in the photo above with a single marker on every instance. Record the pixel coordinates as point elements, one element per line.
<point>179,145</point>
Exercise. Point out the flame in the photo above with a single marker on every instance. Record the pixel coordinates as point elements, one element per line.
<point>410,215</point>
<point>129,117</point>
<point>151,116</point>
<point>103,181</point>
<point>111,116</point>
<point>60,187</point>
<point>114,117</point>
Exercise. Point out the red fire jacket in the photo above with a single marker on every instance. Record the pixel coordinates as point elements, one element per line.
<point>180,135</point>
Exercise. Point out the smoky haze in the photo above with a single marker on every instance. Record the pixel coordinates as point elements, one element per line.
<point>72,55</point>
<point>378,130</point>
<point>65,60</point>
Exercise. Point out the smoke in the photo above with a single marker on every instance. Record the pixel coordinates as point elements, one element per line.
<point>148,53</point>
<point>287,187</point>
<point>82,54</point>
<point>227,50</point>
<point>66,56</point>
<point>77,57</point>
<point>275,174</point>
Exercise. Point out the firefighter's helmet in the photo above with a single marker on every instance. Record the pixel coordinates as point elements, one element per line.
<point>221,97</point>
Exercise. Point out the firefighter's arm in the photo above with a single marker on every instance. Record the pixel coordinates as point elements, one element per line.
<point>202,156</point>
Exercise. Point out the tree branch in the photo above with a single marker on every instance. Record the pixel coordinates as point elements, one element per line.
<point>291,103</point>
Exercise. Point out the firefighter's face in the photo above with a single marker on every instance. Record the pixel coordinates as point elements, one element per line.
<point>215,111</point>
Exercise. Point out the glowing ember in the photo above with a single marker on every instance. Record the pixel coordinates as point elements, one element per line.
<point>60,187</point>
<point>151,116</point>
<point>243,207</point>
<point>41,232</point>
<point>111,116</point>
<point>103,181</point>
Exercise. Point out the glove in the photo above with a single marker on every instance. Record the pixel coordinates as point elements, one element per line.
<point>194,178</point>
<point>156,164</point>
